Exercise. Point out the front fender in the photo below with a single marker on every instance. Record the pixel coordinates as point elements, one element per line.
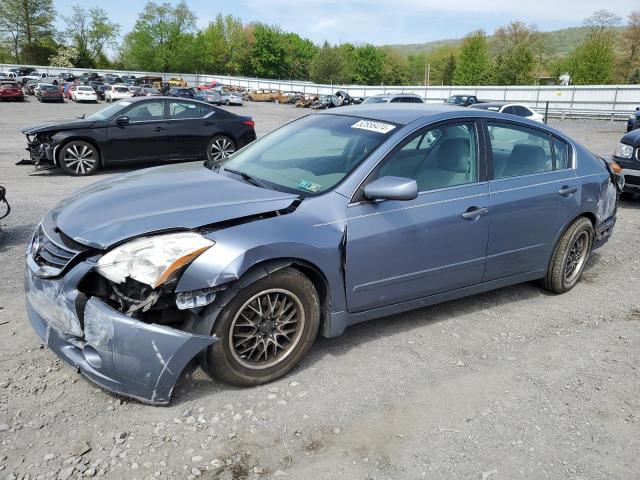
<point>290,237</point>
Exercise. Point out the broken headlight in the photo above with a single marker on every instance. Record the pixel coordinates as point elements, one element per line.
<point>152,260</point>
<point>623,151</point>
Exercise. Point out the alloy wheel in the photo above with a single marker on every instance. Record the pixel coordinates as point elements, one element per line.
<point>79,158</point>
<point>576,257</point>
<point>266,329</point>
<point>221,148</point>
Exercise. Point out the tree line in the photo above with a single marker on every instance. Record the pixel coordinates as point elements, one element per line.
<point>165,38</point>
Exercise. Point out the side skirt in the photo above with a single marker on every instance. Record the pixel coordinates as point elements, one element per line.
<point>339,321</point>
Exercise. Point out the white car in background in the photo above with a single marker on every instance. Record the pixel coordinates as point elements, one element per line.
<point>83,93</point>
<point>117,92</point>
<point>511,109</point>
<point>41,77</point>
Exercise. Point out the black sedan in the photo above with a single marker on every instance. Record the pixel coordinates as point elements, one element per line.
<point>143,129</point>
<point>182,92</point>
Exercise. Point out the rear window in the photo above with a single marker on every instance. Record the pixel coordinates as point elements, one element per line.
<point>85,89</point>
<point>8,85</point>
<point>121,89</point>
<point>519,150</point>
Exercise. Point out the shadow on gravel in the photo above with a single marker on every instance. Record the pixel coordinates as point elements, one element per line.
<point>195,384</point>
<point>15,235</point>
<point>108,170</point>
<point>630,204</point>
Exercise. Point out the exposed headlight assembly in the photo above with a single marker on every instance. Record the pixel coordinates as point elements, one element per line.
<point>623,150</point>
<point>152,260</point>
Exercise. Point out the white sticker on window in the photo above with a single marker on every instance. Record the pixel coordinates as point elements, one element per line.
<point>372,126</point>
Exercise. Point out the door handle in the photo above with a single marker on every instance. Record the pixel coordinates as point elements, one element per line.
<point>566,190</point>
<point>158,129</point>
<point>473,213</point>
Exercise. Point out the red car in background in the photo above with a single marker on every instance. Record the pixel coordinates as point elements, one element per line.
<point>11,91</point>
<point>208,86</point>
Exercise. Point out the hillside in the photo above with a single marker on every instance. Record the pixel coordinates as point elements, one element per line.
<point>560,42</point>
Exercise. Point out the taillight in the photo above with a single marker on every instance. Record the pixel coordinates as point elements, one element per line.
<point>249,123</point>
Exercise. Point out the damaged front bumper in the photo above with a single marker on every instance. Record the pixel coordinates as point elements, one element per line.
<point>119,353</point>
<point>42,149</point>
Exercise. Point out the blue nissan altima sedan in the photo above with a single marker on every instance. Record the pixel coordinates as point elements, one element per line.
<point>333,219</point>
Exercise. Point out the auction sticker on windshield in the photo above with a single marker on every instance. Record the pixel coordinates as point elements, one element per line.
<point>372,126</point>
<point>310,186</point>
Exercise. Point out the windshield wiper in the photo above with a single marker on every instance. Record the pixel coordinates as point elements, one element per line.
<point>250,179</point>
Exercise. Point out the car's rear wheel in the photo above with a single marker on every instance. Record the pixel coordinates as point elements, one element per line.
<point>78,158</point>
<point>220,147</point>
<point>265,330</point>
<point>569,257</point>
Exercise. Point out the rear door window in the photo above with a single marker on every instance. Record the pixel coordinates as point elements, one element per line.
<point>518,150</point>
<point>187,110</point>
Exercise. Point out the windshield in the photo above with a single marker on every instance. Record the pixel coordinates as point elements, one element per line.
<point>311,155</point>
<point>457,100</point>
<point>85,89</point>
<point>109,112</point>
<point>376,100</point>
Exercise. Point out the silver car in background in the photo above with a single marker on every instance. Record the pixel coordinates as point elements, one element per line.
<point>220,96</point>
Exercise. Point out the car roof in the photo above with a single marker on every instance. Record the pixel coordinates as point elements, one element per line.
<point>484,105</point>
<point>396,95</point>
<point>400,113</point>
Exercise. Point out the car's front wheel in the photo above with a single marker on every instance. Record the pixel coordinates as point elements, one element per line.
<point>265,330</point>
<point>569,257</point>
<point>78,158</point>
<point>220,147</point>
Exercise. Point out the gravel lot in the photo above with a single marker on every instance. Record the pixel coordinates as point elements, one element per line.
<point>515,383</point>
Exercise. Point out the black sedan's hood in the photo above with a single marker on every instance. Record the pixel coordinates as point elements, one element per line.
<point>182,196</point>
<point>55,126</point>
<point>632,138</point>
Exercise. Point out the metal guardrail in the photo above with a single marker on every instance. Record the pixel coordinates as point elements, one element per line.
<point>613,102</point>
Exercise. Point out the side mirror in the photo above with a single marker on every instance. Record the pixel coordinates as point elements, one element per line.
<point>391,188</point>
<point>122,120</point>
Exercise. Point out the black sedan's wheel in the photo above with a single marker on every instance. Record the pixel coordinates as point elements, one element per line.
<point>78,158</point>
<point>220,147</point>
<point>569,257</point>
<point>265,330</point>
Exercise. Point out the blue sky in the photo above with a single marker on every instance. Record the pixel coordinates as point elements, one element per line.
<point>379,22</point>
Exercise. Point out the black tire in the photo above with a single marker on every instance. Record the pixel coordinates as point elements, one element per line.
<point>569,257</point>
<point>626,196</point>
<point>78,158</point>
<point>225,361</point>
<point>228,102</point>
<point>220,147</point>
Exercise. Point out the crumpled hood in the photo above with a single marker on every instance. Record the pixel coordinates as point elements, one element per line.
<point>63,125</point>
<point>174,197</point>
